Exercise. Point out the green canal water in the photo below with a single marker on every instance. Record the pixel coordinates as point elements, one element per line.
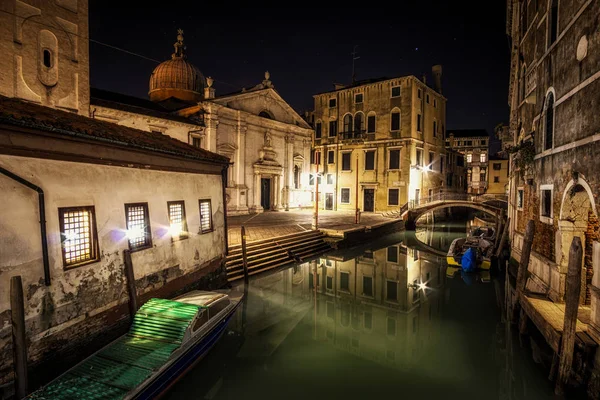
<point>355,324</point>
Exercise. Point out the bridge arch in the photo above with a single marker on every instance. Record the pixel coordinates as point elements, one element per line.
<point>414,214</point>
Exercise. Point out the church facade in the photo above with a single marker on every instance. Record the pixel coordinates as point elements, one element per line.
<point>267,142</point>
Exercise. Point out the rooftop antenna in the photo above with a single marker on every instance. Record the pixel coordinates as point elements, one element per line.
<point>354,58</point>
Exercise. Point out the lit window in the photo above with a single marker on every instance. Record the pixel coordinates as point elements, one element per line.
<point>358,98</point>
<point>311,180</point>
<point>330,156</point>
<point>394,162</point>
<point>469,157</point>
<point>205,216</point>
<point>330,179</point>
<point>177,220</point>
<point>520,198</point>
<point>393,195</point>
<point>345,196</point>
<point>395,91</point>
<point>482,157</point>
<point>138,226</point>
<point>78,235</point>
<point>369,160</point>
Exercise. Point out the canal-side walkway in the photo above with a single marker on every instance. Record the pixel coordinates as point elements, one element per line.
<point>279,223</point>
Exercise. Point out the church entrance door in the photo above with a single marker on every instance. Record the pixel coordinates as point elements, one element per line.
<point>265,193</point>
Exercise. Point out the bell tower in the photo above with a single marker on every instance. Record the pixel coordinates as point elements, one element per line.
<point>45,53</point>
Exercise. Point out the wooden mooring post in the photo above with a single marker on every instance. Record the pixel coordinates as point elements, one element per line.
<point>572,292</point>
<point>503,238</point>
<point>244,257</point>
<point>131,291</point>
<point>499,227</point>
<point>523,265</point>
<point>17,317</point>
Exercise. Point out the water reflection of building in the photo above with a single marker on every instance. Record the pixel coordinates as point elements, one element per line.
<point>372,305</point>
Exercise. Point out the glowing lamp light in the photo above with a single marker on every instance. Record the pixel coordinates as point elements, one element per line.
<point>71,235</point>
<point>135,232</point>
<point>422,286</point>
<point>175,229</point>
<point>426,168</point>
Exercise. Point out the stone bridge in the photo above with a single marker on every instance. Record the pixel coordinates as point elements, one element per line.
<point>413,210</point>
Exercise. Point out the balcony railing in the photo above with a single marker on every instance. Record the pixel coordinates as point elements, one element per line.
<point>354,135</point>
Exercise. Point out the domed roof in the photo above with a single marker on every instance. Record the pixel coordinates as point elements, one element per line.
<point>177,77</point>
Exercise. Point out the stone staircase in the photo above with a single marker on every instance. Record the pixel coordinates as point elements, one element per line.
<point>267,254</point>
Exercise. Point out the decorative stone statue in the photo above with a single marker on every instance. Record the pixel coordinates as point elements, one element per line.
<point>179,46</point>
<point>268,139</point>
<point>209,81</point>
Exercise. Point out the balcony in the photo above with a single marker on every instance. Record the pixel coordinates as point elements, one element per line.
<point>354,136</point>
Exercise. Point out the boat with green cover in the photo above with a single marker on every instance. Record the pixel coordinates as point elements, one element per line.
<point>165,339</point>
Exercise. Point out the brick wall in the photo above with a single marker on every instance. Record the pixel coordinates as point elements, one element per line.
<point>592,234</point>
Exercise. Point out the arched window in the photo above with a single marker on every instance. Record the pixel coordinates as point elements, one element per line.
<point>549,119</point>
<point>434,128</point>
<point>359,122</point>
<point>395,120</point>
<point>47,58</point>
<point>265,114</point>
<point>347,123</point>
<point>523,90</point>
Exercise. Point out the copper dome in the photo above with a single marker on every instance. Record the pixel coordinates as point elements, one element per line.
<point>177,77</point>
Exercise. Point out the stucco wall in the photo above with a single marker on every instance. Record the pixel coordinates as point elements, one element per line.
<point>85,291</point>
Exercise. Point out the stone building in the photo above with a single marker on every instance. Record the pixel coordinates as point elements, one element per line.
<point>77,191</point>
<point>498,174</point>
<point>379,141</point>
<point>267,142</point>
<point>105,188</point>
<point>554,124</point>
<point>44,58</point>
<point>474,145</point>
<point>456,175</point>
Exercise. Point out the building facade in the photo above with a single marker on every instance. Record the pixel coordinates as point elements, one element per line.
<point>379,144</point>
<point>498,175</point>
<point>554,124</point>
<point>267,142</point>
<point>474,145</point>
<point>456,175</point>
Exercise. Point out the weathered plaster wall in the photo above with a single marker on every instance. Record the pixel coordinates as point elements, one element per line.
<point>77,295</point>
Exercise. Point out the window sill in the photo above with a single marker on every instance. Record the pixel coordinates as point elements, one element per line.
<point>204,232</point>
<point>346,170</point>
<point>180,238</point>
<point>140,248</point>
<point>347,291</point>
<point>547,220</point>
<point>81,264</point>
<point>393,169</point>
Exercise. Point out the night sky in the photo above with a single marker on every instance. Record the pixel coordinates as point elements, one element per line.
<point>307,48</point>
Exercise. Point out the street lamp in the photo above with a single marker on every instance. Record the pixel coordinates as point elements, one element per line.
<point>315,224</point>
<point>423,169</point>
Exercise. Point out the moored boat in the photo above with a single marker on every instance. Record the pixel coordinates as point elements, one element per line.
<point>166,338</point>
<point>480,247</point>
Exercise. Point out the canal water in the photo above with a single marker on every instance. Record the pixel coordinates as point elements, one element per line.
<point>385,319</point>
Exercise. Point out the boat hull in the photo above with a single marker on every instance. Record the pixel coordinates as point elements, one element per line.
<point>161,383</point>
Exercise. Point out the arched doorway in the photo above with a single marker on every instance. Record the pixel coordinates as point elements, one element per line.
<point>578,217</point>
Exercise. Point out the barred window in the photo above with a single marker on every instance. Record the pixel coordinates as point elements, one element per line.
<point>138,226</point>
<point>177,220</point>
<point>205,216</point>
<point>79,241</point>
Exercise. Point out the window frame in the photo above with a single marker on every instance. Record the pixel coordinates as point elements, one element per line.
<point>211,228</point>
<point>392,114</point>
<point>549,93</point>
<point>348,275</point>
<point>496,179</point>
<point>419,122</point>
<point>387,291</point>
<point>94,242</point>
<point>399,87</point>
<point>374,117</point>
<point>347,154</point>
<point>328,180</point>
<point>372,292</point>
<point>147,228</point>
<point>387,255</point>
<point>334,100</point>
<point>547,219</point>
<point>521,196</point>
<point>374,152</point>
<point>330,156</point>
<point>419,160</point>
<point>399,150</point>
<point>318,130</point>
<point>342,197</point>
<point>397,198</point>
<point>362,98</point>
<point>332,132</point>
<point>184,227</point>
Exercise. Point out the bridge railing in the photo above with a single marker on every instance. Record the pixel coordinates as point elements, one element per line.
<point>443,196</point>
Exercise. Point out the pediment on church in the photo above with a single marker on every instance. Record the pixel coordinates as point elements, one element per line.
<point>226,148</point>
<point>266,103</point>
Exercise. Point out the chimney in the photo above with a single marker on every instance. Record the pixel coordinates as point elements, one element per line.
<point>424,78</point>
<point>437,77</point>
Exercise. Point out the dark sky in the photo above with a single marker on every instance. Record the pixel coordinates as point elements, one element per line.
<point>308,48</point>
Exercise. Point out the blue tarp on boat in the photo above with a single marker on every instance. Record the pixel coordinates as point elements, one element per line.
<point>468,261</point>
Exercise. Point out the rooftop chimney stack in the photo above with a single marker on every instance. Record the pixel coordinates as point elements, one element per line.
<point>437,77</point>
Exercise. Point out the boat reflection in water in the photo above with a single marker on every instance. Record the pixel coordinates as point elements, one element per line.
<point>381,319</point>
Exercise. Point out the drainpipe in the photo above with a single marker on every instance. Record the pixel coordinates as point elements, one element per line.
<point>224,172</point>
<point>42,209</point>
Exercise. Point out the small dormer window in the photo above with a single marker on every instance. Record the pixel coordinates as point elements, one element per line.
<point>265,114</point>
<point>47,58</point>
<point>358,98</point>
<point>332,103</point>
